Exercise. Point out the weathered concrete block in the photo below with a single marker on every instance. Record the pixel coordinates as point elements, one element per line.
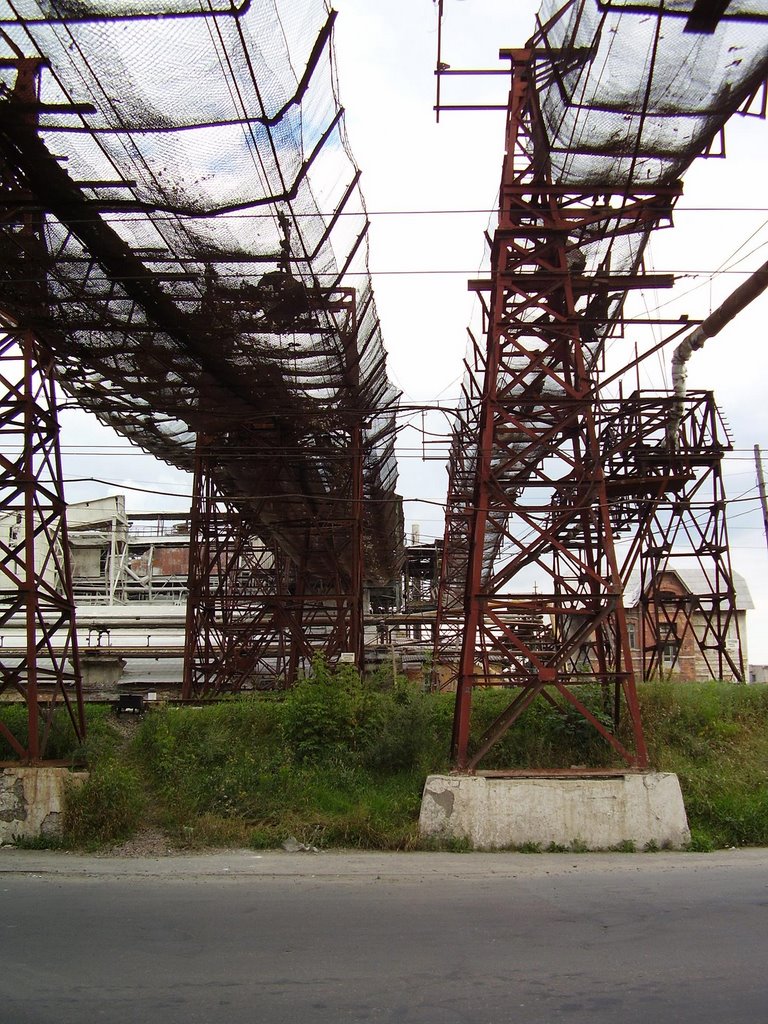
<point>597,813</point>
<point>101,671</point>
<point>32,800</point>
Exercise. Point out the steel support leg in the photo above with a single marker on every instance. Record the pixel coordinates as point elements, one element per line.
<point>35,575</point>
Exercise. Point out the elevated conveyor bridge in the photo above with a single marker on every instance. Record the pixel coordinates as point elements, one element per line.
<point>184,252</point>
<point>184,249</point>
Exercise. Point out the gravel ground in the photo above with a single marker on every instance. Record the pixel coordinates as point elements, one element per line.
<point>345,864</point>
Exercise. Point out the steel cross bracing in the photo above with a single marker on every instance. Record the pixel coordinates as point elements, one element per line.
<point>688,539</point>
<point>254,616</point>
<point>203,253</point>
<point>540,494</point>
<point>593,147</point>
<point>35,578</point>
<point>244,629</point>
<point>144,328</point>
<point>454,561</point>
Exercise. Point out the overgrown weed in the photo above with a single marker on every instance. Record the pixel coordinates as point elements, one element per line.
<point>108,806</point>
<point>339,761</point>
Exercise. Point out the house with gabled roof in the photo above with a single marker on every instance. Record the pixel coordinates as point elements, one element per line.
<point>689,624</point>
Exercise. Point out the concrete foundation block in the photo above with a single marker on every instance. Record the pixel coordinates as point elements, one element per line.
<point>101,671</point>
<point>32,801</point>
<point>596,813</point>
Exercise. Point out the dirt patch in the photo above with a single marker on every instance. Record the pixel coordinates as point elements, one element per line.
<point>149,842</point>
<point>126,725</point>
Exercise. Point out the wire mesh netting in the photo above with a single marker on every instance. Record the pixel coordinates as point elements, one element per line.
<point>184,228</point>
<point>637,95</point>
<point>627,95</point>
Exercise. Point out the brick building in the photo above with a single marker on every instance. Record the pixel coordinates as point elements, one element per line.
<point>684,625</point>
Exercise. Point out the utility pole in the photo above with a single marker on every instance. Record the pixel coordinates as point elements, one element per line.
<point>761,488</point>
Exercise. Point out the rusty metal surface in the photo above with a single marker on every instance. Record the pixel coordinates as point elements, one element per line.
<point>199,271</point>
<point>550,466</point>
<point>35,579</point>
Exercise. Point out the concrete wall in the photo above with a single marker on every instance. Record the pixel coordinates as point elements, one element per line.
<point>87,560</point>
<point>596,813</point>
<point>32,800</point>
<point>96,512</point>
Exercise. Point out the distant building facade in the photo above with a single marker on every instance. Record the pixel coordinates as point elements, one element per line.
<point>679,629</point>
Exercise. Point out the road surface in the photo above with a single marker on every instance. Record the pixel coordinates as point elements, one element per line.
<point>420,938</point>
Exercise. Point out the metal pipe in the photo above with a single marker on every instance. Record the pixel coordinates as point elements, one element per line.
<point>740,298</point>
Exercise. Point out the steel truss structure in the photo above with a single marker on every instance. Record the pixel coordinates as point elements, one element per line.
<point>688,537</point>
<point>35,576</point>
<point>540,490</point>
<point>191,265</point>
<point>255,617</point>
<point>550,476</point>
<point>454,562</point>
<point>203,255</point>
<point>668,505</point>
<point>35,579</point>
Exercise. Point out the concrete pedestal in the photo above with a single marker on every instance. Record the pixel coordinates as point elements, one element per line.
<point>595,813</point>
<point>101,671</point>
<point>31,801</point>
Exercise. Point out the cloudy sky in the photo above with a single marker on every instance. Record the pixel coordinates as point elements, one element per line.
<point>430,190</point>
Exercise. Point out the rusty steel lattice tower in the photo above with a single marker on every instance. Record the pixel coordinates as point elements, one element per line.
<point>555,475</point>
<point>257,612</point>
<point>540,494</point>
<point>35,575</point>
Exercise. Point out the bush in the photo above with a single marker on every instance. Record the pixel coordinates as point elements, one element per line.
<point>323,715</point>
<point>340,762</point>
<point>403,733</point>
<point>542,737</point>
<point>63,744</point>
<point>211,759</point>
<point>14,717</point>
<point>107,806</point>
<point>714,737</point>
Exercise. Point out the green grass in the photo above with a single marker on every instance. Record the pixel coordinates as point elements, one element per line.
<point>337,763</point>
<point>714,736</point>
<point>328,771</point>
<point>62,741</point>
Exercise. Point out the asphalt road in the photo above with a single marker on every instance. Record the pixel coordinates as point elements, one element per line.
<point>425,938</point>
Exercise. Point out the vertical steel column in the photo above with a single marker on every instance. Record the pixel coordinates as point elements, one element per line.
<point>35,571</point>
<point>345,317</point>
<point>356,635</point>
<point>201,609</point>
<point>35,574</point>
<point>235,622</point>
<point>454,560</point>
<point>540,496</point>
<point>253,613</point>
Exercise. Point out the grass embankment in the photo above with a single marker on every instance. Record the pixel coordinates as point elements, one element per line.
<point>337,763</point>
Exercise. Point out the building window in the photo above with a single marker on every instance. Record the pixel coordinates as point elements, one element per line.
<point>670,651</point>
<point>632,635</point>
